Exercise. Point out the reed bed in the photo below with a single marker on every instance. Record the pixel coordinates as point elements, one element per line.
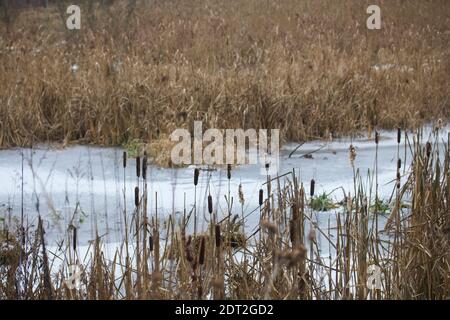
<point>284,258</point>
<point>140,69</point>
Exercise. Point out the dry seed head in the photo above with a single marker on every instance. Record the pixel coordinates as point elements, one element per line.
<point>229,171</point>
<point>377,137</point>
<point>196,174</point>
<point>428,149</point>
<point>138,166</point>
<point>124,158</point>
<point>217,234</point>
<point>74,238</point>
<point>136,196</point>
<point>352,154</point>
<point>210,204</point>
<point>241,194</point>
<point>201,257</point>
<point>261,197</point>
<point>399,135</point>
<point>150,243</point>
<point>292,231</point>
<point>311,189</point>
<point>144,166</point>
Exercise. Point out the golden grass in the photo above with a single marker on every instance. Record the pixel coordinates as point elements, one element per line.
<point>147,68</point>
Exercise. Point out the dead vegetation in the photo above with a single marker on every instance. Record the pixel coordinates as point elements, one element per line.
<point>161,258</point>
<point>140,69</point>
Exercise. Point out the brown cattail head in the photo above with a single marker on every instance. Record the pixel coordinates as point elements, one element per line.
<point>144,166</point>
<point>124,159</point>
<point>399,135</point>
<point>261,197</point>
<point>74,238</point>
<point>292,231</point>
<point>196,174</point>
<point>399,163</point>
<point>210,204</point>
<point>229,171</point>
<point>377,137</point>
<point>352,154</point>
<point>189,257</point>
<point>311,189</point>
<point>138,166</point>
<point>428,149</point>
<point>150,243</point>
<point>201,256</point>
<point>267,165</point>
<point>136,196</point>
<point>241,194</point>
<point>217,234</point>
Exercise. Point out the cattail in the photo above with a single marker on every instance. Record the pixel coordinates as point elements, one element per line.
<point>377,137</point>
<point>144,166</point>
<point>196,174</point>
<point>399,135</point>
<point>201,256</point>
<point>261,197</point>
<point>399,163</point>
<point>217,233</point>
<point>352,154</point>
<point>138,166</point>
<point>124,159</point>
<point>210,204</point>
<point>241,194</point>
<point>267,165</point>
<point>74,238</point>
<point>311,189</point>
<point>150,243</point>
<point>229,171</point>
<point>428,149</point>
<point>136,196</point>
<point>292,233</point>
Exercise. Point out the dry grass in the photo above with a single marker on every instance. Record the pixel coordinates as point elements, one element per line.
<point>160,259</point>
<point>148,67</point>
